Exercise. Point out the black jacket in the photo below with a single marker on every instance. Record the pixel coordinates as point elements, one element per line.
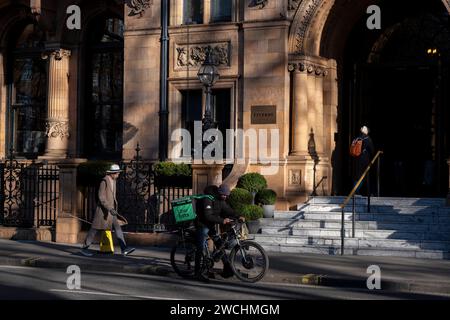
<point>214,212</point>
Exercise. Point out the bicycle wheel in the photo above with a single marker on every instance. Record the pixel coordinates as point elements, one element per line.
<point>182,258</point>
<point>249,261</point>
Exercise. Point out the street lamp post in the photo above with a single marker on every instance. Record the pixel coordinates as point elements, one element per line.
<point>208,76</point>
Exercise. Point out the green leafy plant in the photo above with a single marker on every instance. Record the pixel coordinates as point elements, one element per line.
<point>92,172</point>
<point>170,169</point>
<point>266,197</point>
<point>239,197</point>
<point>252,182</point>
<point>252,212</point>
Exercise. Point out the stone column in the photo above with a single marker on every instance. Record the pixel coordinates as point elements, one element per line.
<point>204,175</point>
<point>67,224</point>
<point>319,109</point>
<point>57,124</point>
<point>300,111</point>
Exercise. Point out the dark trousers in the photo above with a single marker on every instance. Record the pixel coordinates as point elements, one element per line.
<point>119,234</point>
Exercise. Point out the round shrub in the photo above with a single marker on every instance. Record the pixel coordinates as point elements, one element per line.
<point>266,197</point>
<point>252,212</point>
<point>92,172</point>
<point>239,197</point>
<point>252,182</point>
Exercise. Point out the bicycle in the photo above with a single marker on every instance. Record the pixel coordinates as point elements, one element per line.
<point>248,260</point>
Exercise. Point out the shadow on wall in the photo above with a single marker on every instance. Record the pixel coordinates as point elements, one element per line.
<point>129,132</point>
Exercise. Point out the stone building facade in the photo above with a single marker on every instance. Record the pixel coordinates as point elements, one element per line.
<point>95,92</point>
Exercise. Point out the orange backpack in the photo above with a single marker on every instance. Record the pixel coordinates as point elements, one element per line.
<point>356,147</point>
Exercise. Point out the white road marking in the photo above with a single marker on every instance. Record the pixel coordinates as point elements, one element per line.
<point>112,294</point>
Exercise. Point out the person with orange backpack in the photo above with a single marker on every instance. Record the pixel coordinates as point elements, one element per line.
<point>362,149</point>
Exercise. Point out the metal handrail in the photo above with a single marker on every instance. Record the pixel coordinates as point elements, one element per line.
<point>379,153</point>
<point>352,196</point>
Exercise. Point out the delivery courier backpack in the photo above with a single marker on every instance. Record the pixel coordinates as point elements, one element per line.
<point>184,209</point>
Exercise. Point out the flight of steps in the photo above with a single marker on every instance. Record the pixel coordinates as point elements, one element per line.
<point>402,227</point>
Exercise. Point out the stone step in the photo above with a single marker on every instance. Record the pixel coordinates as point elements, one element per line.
<point>436,202</point>
<point>398,244</point>
<point>362,225</point>
<point>378,252</point>
<point>376,209</point>
<point>391,218</point>
<point>361,234</point>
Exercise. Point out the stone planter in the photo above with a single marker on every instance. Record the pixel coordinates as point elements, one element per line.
<point>268,210</point>
<point>254,226</point>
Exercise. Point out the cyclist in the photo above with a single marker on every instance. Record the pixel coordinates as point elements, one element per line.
<point>213,212</point>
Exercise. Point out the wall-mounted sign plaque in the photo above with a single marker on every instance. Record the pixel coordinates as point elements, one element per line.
<point>264,115</point>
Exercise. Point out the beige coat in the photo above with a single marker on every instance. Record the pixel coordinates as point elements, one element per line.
<point>103,219</point>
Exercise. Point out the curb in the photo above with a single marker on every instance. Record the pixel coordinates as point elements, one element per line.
<point>408,287</point>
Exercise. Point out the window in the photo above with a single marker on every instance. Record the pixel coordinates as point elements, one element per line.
<point>221,10</point>
<point>103,112</point>
<point>193,12</point>
<point>192,110</point>
<point>28,98</point>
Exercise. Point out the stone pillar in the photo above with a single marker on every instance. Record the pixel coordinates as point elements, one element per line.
<point>448,195</point>
<point>319,109</point>
<point>204,175</point>
<point>58,105</point>
<point>67,224</point>
<point>300,110</point>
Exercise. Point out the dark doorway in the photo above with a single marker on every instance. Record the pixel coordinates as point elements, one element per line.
<point>397,84</point>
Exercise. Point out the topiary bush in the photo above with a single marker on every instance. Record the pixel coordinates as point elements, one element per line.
<point>169,174</point>
<point>92,172</point>
<point>238,198</point>
<point>266,197</point>
<point>171,169</point>
<point>252,212</point>
<point>252,182</point>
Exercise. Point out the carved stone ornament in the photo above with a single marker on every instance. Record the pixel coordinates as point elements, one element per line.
<point>293,4</point>
<point>58,54</point>
<point>309,12</point>
<point>55,129</point>
<point>307,67</point>
<point>195,55</point>
<point>138,7</point>
<point>295,177</point>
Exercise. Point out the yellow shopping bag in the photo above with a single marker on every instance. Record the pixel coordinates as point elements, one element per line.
<point>106,242</point>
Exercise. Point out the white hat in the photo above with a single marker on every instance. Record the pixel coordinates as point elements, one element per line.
<point>114,169</point>
<point>365,130</point>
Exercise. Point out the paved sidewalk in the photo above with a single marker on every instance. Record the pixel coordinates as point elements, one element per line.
<point>397,274</point>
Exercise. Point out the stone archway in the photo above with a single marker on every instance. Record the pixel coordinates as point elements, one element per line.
<point>317,41</point>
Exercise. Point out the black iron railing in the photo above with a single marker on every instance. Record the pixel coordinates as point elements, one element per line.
<point>29,193</point>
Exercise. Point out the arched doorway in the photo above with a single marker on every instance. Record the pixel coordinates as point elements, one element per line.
<point>396,81</point>
<point>103,111</point>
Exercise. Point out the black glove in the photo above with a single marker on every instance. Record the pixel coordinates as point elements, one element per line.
<point>113,212</point>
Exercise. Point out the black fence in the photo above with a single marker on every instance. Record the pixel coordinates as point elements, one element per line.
<point>143,203</point>
<point>29,194</point>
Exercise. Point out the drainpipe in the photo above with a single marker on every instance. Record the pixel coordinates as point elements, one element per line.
<point>163,109</point>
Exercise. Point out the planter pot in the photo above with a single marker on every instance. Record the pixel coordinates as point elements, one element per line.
<point>254,226</point>
<point>268,210</point>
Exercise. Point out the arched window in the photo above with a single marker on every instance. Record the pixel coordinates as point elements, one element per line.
<point>28,92</point>
<point>103,114</point>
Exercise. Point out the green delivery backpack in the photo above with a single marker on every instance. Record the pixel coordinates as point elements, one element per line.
<point>183,208</point>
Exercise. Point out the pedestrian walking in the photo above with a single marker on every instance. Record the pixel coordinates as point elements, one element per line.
<point>362,150</point>
<point>106,216</point>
